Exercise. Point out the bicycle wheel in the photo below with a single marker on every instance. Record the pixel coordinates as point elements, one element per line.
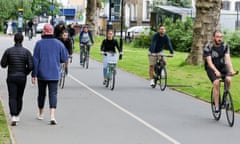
<point>62,77</point>
<point>216,116</point>
<point>87,59</point>
<point>229,108</point>
<point>112,79</point>
<point>84,60</point>
<point>163,78</point>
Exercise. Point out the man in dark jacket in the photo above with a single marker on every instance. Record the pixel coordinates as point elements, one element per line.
<point>20,64</point>
<point>160,39</point>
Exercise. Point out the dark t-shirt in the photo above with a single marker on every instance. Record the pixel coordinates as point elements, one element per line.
<point>217,54</point>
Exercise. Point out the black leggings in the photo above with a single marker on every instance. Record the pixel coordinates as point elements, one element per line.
<point>16,86</point>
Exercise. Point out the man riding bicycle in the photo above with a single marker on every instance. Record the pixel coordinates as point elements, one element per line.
<point>217,62</point>
<point>85,39</point>
<point>160,39</point>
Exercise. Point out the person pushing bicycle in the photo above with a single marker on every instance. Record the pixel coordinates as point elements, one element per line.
<point>217,63</point>
<point>85,39</point>
<point>109,45</point>
<point>160,39</point>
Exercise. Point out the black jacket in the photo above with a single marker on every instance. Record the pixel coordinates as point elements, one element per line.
<point>18,59</point>
<point>110,46</point>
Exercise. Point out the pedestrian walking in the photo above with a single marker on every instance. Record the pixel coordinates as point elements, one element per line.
<point>19,62</point>
<point>47,56</point>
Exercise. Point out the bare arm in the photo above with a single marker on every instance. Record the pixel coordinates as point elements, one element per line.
<point>229,63</point>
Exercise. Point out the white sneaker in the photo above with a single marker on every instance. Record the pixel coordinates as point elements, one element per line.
<point>17,118</point>
<point>40,117</point>
<point>152,83</point>
<point>53,121</point>
<point>14,121</point>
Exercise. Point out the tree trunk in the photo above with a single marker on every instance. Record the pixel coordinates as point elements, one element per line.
<point>206,21</point>
<point>92,15</point>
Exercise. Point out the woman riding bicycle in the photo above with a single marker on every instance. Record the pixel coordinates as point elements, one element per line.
<point>85,39</point>
<point>217,63</point>
<point>109,45</point>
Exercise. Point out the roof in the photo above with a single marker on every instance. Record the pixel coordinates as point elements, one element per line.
<point>177,10</point>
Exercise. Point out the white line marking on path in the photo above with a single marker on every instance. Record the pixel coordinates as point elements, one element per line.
<point>127,112</point>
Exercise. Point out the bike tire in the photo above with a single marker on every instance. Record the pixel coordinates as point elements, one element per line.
<point>216,116</point>
<point>84,60</point>
<point>87,60</point>
<point>163,78</point>
<point>62,77</point>
<point>107,83</point>
<point>229,109</point>
<point>112,80</point>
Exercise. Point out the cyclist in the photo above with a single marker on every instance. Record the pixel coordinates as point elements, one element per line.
<point>160,39</point>
<point>72,33</point>
<point>65,39</point>
<point>109,45</point>
<point>85,39</point>
<point>217,62</point>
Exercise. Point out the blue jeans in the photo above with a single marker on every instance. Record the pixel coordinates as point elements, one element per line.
<point>105,65</point>
<point>52,93</point>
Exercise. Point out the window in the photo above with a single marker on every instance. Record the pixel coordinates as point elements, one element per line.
<point>148,9</point>
<point>226,5</point>
<point>237,6</point>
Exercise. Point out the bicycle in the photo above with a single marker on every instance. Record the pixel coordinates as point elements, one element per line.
<point>112,59</point>
<point>160,72</point>
<point>225,103</point>
<point>85,55</point>
<point>30,34</point>
<point>63,73</point>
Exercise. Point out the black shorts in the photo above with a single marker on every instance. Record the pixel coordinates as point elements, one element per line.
<point>211,75</point>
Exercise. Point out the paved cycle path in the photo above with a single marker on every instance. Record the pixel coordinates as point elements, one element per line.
<point>133,113</point>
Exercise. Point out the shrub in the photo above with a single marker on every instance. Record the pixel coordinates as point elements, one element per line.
<point>233,40</point>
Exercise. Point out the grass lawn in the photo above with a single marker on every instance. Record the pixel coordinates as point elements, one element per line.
<point>135,60</point>
<point>4,132</point>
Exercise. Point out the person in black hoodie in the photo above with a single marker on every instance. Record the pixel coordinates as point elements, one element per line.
<point>20,64</point>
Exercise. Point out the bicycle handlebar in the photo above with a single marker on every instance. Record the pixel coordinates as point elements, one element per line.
<point>229,74</point>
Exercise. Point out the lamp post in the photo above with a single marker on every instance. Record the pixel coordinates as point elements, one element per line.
<point>121,36</point>
<point>109,24</point>
<point>52,8</point>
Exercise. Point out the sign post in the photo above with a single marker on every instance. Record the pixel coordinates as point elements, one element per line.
<point>20,20</point>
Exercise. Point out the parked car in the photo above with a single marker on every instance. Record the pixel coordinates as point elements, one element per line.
<point>137,30</point>
<point>40,26</point>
